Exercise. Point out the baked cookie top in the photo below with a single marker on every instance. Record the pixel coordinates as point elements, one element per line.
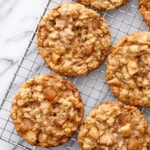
<point>103,4</point>
<point>47,110</point>
<point>128,69</point>
<point>72,39</point>
<point>112,126</point>
<point>144,7</point>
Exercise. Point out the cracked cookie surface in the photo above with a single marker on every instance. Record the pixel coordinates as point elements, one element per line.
<point>103,4</point>
<point>144,7</point>
<point>112,126</point>
<point>47,110</point>
<point>128,69</point>
<point>72,39</point>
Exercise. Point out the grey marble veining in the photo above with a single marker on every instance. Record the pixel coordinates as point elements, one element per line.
<point>18,18</point>
<point>17,21</point>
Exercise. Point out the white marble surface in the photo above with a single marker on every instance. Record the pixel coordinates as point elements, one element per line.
<point>17,21</point>
<point>18,18</point>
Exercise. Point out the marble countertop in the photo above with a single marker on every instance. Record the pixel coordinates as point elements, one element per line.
<point>18,18</point>
<point>17,21</point>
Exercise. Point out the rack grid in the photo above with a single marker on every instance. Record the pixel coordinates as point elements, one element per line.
<point>92,87</point>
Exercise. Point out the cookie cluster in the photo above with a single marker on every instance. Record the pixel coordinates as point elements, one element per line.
<point>47,110</point>
<point>128,69</point>
<point>73,41</point>
<point>144,7</point>
<point>113,126</point>
<point>103,4</point>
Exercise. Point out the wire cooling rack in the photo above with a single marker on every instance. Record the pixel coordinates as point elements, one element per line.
<point>93,88</point>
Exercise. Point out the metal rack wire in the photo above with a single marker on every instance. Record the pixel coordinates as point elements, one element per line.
<point>93,88</point>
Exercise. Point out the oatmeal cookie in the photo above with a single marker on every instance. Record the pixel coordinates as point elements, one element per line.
<point>47,110</point>
<point>128,69</point>
<point>103,4</point>
<point>144,7</point>
<point>112,126</point>
<point>72,39</point>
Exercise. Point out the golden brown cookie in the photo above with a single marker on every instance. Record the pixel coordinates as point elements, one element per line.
<point>128,69</point>
<point>103,4</point>
<point>144,7</point>
<point>72,39</point>
<point>112,126</point>
<point>47,110</point>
